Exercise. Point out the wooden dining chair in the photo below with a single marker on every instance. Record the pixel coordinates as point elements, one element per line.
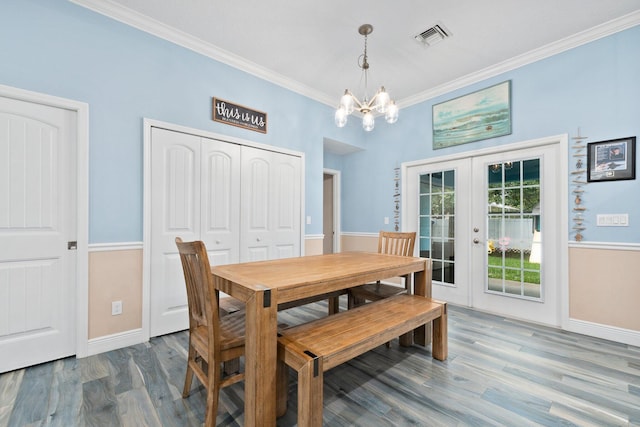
<point>392,243</point>
<point>213,340</point>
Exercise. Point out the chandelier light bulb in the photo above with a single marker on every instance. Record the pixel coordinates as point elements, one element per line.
<point>392,113</point>
<point>341,117</point>
<point>368,121</point>
<point>346,102</point>
<point>383,100</point>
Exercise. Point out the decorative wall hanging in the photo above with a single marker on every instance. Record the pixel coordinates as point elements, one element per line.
<point>396,199</point>
<point>479,115</point>
<point>238,115</point>
<point>611,160</point>
<point>577,184</point>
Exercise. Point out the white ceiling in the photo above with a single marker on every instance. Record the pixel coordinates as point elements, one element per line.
<point>312,47</point>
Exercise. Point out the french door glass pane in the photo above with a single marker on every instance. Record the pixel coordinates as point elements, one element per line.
<point>513,229</point>
<point>437,223</point>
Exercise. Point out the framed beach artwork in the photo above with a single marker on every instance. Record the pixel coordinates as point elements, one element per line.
<point>479,115</point>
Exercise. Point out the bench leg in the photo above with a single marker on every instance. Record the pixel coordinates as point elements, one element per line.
<point>353,301</point>
<point>406,340</point>
<point>282,388</point>
<point>334,305</point>
<point>310,399</point>
<point>422,335</point>
<point>439,347</point>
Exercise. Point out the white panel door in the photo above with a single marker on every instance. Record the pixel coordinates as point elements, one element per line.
<point>195,196</point>
<point>285,206</point>
<point>220,195</point>
<point>271,205</point>
<point>175,206</point>
<point>37,219</point>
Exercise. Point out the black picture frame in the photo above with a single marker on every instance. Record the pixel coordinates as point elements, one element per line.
<point>612,160</point>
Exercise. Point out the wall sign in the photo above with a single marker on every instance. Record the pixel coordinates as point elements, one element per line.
<point>238,115</point>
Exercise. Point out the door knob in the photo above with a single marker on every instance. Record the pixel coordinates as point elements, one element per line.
<point>476,241</point>
<point>476,229</point>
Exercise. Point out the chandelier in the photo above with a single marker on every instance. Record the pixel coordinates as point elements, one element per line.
<point>380,102</point>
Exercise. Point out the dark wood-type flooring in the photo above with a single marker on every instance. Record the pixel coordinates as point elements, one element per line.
<point>500,372</point>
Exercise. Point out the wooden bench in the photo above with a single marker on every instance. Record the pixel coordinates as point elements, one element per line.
<point>315,347</point>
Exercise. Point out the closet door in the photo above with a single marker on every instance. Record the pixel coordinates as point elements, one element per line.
<point>271,205</point>
<point>243,202</point>
<point>220,201</point>
<point>175,207</point>
<point>194,196</point>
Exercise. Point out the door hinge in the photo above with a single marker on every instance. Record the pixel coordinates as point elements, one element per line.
<point>72,246</point>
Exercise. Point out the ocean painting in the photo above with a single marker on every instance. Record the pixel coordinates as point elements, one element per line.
<point>480,115</point>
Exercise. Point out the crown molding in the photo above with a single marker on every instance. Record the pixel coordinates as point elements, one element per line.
<point>144,23</point>
<point>603,30</point>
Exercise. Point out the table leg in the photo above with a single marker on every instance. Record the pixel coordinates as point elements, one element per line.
<point>422,286</point>
<point>260,359</point>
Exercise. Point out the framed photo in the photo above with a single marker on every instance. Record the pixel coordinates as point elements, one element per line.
<point>612,160</point>
<point>479,115</point>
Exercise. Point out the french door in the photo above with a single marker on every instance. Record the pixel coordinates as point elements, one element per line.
<point>493,225</point>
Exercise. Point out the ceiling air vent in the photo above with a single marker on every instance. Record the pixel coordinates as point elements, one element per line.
<point>433,35</point>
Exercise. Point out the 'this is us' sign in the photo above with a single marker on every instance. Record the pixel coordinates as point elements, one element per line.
<point>239,115</point>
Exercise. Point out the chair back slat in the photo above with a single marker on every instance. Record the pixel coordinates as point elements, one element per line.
<point>202,297</point>
<point>396,243</point>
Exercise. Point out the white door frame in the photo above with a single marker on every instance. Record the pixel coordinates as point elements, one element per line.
<point>336,206</point>
<point>562,140</point>
<point>81,233</point>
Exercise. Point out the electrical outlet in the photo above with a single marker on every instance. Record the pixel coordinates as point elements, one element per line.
<point>116,308</point>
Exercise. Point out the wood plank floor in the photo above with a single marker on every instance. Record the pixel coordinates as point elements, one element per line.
<point>499,372</point>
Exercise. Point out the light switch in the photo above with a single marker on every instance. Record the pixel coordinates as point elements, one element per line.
<point>386,220</point>
<point>612,220</point>
<point>308,219</point>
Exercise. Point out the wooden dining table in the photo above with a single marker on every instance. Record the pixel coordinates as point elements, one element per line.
<point>262,285</point>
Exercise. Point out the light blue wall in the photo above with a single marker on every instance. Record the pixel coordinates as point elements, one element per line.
<point>595,87</point>
<point>125,75</point>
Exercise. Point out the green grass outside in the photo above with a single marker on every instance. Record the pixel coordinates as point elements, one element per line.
<point>512,266</point>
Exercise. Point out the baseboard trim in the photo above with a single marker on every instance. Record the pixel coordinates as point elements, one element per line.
<point>115,341</point>
<point>611,333</point>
